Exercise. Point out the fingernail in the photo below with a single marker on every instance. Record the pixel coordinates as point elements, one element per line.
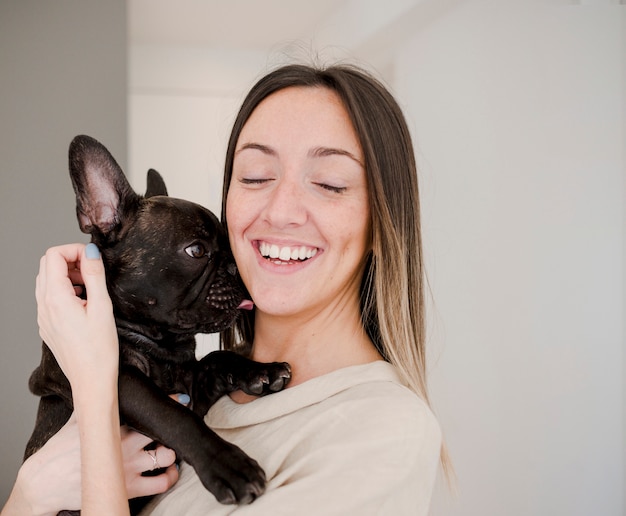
<point>184,399</point>
<point>92,252</point>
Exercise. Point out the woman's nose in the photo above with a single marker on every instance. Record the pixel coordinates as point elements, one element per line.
<point>286,206</point>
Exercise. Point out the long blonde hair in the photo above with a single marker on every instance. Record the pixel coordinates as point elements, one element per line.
<point>393,285</point>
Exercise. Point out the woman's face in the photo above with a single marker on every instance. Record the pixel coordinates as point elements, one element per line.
<point>297,206</point>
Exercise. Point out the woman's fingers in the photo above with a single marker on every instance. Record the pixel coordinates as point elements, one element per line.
<point>67,322</point>
<point>94,279</point>
<point>147,485</point>
<point>54,289</point>
<point>145,461</point>
<point>137,461</point>
<point>56,264</point>
<point>165,457</point>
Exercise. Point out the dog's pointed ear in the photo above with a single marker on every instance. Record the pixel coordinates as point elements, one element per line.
<point>156,185</point>
<point>104,197</point>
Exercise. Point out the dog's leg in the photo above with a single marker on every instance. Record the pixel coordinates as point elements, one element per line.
<point>224,469</point>
<point>52,414</point>
<point>222,372</point>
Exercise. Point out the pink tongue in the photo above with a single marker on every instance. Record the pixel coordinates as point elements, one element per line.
<point>246,304</point>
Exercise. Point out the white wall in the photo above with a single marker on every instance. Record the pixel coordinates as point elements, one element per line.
<point>182,104</point>
<point>518,115</point>
<point>518,121</point>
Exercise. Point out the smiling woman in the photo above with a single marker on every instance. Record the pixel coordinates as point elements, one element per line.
<point>322,211</point>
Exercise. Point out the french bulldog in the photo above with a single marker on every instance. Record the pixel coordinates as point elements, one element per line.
<point>170,275</point>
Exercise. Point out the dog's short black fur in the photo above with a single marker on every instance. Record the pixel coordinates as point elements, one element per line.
<point>170,275</point>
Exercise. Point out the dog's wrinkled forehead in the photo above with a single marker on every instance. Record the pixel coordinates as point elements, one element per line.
<point>170,218</point>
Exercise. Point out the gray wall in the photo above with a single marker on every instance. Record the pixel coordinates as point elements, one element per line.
<point>62,72</point>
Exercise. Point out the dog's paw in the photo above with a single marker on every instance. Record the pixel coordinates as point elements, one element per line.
<point>263,378</point>
<point>233,477</point>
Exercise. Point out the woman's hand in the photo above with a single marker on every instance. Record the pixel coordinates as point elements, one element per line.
<point>82,335</point>
<point>49,480</point>
<point>137,461</point>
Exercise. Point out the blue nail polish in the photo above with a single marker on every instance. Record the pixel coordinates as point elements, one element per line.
<point>184,399</point>
<point>92,252</point>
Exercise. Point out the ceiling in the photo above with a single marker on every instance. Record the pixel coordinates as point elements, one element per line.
<point>235,24</point>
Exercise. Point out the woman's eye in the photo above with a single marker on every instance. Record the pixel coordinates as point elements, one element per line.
<point>331,188</point>
<point>196,250</point>
<point>253,181</point>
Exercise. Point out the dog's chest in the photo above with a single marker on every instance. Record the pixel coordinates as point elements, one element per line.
<point>171,374</point>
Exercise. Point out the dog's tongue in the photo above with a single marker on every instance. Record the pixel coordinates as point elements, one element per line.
<point>246,304</point>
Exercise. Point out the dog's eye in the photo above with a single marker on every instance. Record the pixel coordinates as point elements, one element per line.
<point>196,250</point>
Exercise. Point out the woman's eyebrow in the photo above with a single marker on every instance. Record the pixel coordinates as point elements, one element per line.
<point>317,152</point>
<point>320,152</point>
<point>265,149</point>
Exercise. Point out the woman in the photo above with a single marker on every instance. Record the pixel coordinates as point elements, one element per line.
<point>322,210</point>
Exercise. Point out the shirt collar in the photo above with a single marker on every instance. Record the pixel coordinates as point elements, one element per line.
<point>226,413</point>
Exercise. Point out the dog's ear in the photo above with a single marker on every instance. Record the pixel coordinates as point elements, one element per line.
<point>156,185</point>
<point>104,198</point>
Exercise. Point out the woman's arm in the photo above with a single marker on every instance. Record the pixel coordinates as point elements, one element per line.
<point>83,337</point>
<point>103,489</point>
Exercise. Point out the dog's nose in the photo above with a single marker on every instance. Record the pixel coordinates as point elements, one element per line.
<point>232,269</point>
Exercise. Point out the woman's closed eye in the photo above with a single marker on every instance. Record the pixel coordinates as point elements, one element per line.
<point>332,188</point>
<point>255,180</point>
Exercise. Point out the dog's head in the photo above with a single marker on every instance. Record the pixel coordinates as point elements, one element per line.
<point>168,263</point>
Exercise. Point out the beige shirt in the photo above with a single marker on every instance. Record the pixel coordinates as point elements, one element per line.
<point>352,442</point>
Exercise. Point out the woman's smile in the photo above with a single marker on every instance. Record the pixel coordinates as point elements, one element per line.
<point>286,255</point>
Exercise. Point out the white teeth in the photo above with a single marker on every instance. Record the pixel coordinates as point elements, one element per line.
<point>286,253</point>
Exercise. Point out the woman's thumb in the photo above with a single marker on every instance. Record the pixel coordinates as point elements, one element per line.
<point>92,272</point>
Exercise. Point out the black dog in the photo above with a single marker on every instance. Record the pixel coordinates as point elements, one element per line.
<point>170,275</point>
